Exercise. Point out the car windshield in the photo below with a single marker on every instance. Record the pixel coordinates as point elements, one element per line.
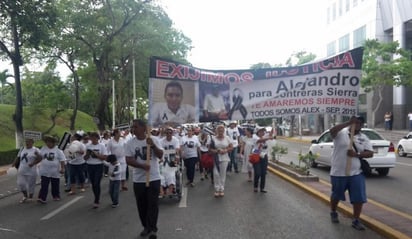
<point>372,135</point>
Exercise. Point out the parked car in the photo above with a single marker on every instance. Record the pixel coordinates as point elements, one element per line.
<point>405,145</point>
<point>383,158</point>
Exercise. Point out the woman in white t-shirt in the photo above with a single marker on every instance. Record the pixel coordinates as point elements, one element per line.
<point>28,157</point>
<point>190,146</point>
<point>95,153</point>
<point>116,146</point>
<point>246,146</point>
<point>51,167</point>
<point>220,146</point>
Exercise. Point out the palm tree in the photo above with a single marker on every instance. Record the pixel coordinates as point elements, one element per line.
<point>3,80</point>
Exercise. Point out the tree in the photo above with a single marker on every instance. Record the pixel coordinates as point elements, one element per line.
<point>384,64</point>
<point>3,80</point>
<point>25,25</point>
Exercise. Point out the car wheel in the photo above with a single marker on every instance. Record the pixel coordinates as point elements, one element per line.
<point>401,152</point>
<point>383,171</point>
<point>313,163</point>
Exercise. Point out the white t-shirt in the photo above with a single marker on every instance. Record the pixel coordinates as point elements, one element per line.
<point>214,104</point>
<point>170,147</point>
<point>410,116</point>
<point>204,143</point>
<point>50,165</point>
<point>27,157</point>
<point>233,135</point>
<point>161,114</point>
<point>136,149</point>
<point>249,143</point>
<point>189,145</point>
<point>340,149</point>
<point>113,171</point>
<point>73,154</point>
<point>117,148</point>
<point>97,148</point>
<point>222,144</point>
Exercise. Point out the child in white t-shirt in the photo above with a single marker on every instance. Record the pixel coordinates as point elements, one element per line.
<point>114,177</point>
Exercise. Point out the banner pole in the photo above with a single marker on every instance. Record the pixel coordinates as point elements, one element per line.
<point>349,159</point>
<point>148,157</point>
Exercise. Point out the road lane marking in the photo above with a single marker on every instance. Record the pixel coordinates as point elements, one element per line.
<point>183,200</point>
<point>54,213</point>
<point>7,230</point>
<point>405,164</point>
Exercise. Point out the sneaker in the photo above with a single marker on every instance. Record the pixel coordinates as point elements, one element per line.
<point>71,193</point>
<point>358,225</point>
<point>145,232</point>
<point>221,194</point>
<point>41,201</point>
<point>334,217</point>
<point>56,198</point>
<point>153,235</point>
<point>95,206</point>
<point>263,191</point>
<point>255,190</point>
<point>217,194</point>
<point>82,190</point>
<point>23,200</point>
<point>115,205</point>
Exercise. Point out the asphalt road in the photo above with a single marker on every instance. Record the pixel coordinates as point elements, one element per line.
<point>284,212</point>
<point>393,190</point>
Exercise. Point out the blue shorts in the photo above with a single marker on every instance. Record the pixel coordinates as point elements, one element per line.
<point>355,186</point>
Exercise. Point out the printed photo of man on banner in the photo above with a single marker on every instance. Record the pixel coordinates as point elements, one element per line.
<point>329,86</point>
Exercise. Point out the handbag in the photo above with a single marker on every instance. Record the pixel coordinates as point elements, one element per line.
<point>364,165</point>
<point>254,158</point>
<point>207,160</point>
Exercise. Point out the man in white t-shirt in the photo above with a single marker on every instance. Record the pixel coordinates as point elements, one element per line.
<point>147,196</point>
<point>233,132</point>
<point>410,121</point>
<point>171,157</point>
<point>352,180</point>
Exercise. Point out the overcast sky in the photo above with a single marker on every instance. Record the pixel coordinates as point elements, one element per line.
<point>235,34</point>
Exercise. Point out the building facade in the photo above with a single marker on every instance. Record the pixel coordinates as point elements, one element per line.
<point>348,24</point>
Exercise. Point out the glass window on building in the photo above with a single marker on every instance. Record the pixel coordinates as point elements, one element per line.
<point>362,99</point>
<point>340,7</point>
<point>331,49</point>
<point>359,36</point>
<point>328,15</point>
<point>344,43</point>
<point>347,5</point>
<point>334,11</point>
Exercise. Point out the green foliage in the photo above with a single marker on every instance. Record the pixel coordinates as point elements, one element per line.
<point>40,123</point>
<point>385,64</point>
<point>306,159</point>
<point>8,157</point>
<point>278,151</point>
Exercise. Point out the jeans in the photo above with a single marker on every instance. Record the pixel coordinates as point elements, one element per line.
<point>147,201</point>
<point>260,173</point>
<point>233,160</point>
<point>190,164</point>
<point>95,172</point>
<point>44,187</point>
<point>114,189</point>
<point>76,174</point>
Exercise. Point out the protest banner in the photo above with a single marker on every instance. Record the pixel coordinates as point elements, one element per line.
<point>180,93</point>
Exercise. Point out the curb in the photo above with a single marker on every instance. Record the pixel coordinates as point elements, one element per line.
<point>374,224</point>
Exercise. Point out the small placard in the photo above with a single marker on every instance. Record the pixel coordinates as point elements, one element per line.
<point>35,135</point>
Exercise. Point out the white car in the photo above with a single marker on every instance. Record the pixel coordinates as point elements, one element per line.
<point>405,145</point>
<point>383,158</point>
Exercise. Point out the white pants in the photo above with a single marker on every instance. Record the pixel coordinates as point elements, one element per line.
<point>219,177</point>
<point>26,183</point>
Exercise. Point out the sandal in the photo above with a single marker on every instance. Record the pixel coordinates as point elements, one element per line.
<point>217,194</point>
